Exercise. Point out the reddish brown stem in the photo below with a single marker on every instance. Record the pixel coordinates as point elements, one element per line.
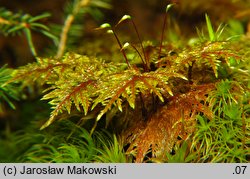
<point>162,37</point>
<point>144,64</point>
<point>145,61</point>
<point>122,50</point>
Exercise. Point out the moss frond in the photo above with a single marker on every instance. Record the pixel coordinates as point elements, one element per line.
<point>127,84</point>
<point>211,54</point>
<point>168,98</point>
<point>7,91</point>
<point>161,131</point>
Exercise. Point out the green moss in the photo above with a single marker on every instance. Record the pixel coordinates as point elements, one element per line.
<point>193,96</point>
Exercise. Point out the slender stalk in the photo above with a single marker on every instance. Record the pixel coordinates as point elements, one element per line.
<point>122,50</point>
<point>67,24</point>
<point>163,30</point>
<point>144,64</point>
<point>162,37</point>
<point>64,35</point>
<point>146,61</point>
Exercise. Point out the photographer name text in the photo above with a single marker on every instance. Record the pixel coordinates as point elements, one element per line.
<point>69,170</point>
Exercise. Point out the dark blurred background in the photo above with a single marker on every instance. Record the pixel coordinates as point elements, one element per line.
<point>148,15</point>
